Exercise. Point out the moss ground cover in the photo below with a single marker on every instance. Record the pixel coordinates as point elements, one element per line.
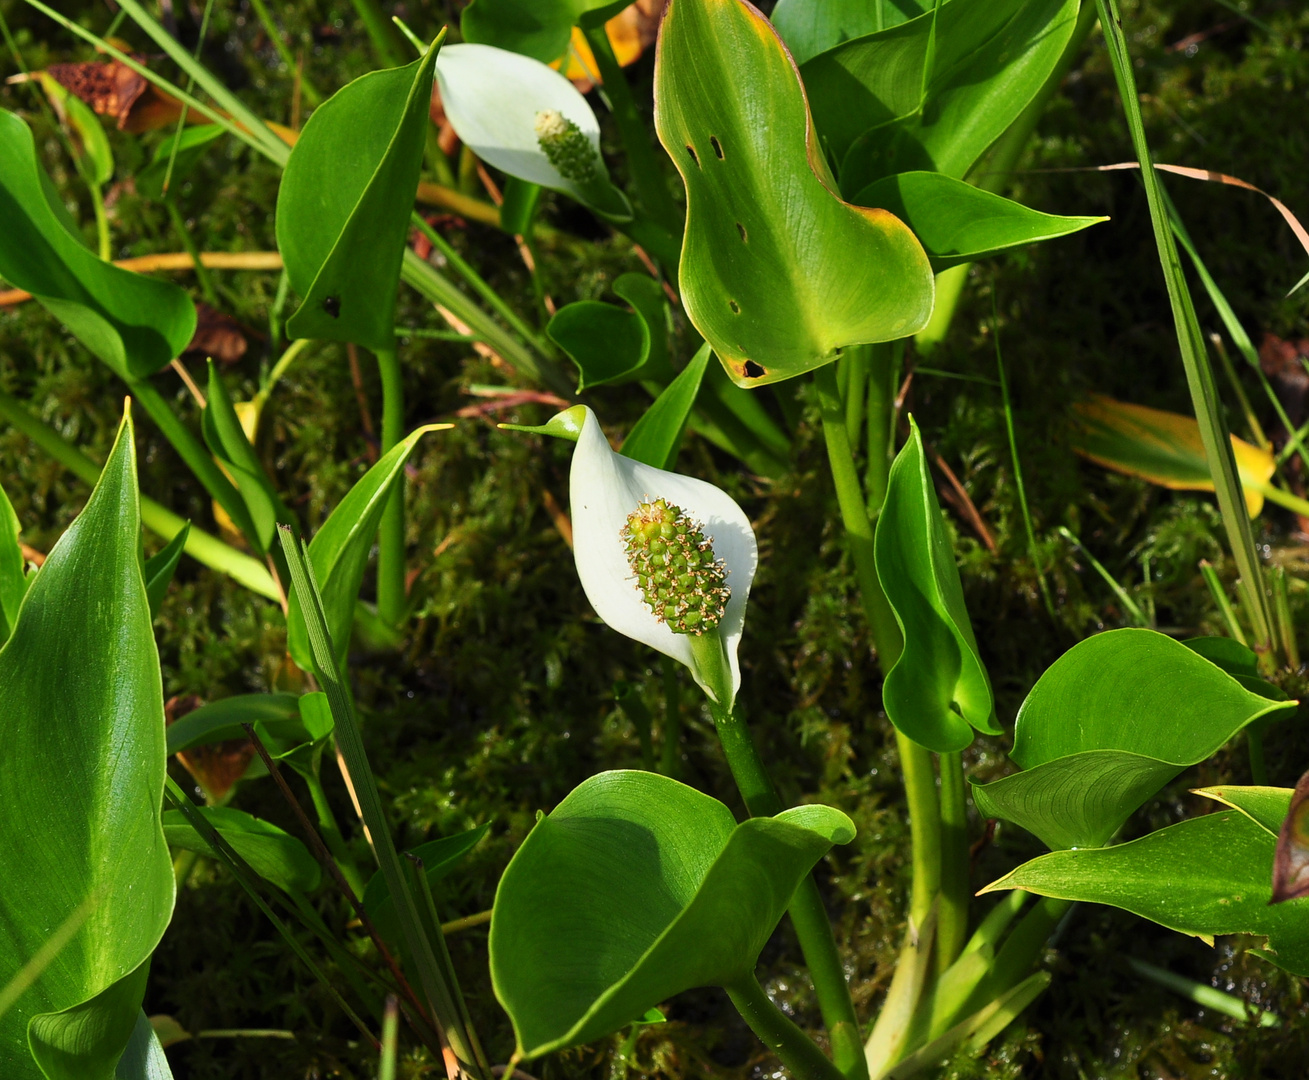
<point>502,699</point>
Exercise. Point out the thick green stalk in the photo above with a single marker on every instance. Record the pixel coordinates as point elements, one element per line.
<point>857,363</point>
<point>1199,376</point>
<point>391,534</point>
<point>645,166</point>
<point>952,924</point>
<point>883,371</point>
<point>924,829</point>
<point>200,545</point>
<point>776,1031</point>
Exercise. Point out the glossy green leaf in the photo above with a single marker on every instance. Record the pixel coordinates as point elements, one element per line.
<point>1206,876</point>
<point>938,690</point>
<point>777,272</point>
<point>958,223</point>
<point>339,550</point>
<point>133,323</point>
<point>227,441</point>
<point>633,889</point>
<point>493,99</point>
<point>880,110</point>
<point>656,438</point>
<point>218,721</point>
<point>440,857</point>
<point>536,28</point>
<point>810,27</point>
<point>344,204</point>
<point>609,344</point>
<point>1238,661</point>
<point>13,567</point>
<point>82,723</point>
<point>276,856</point>
<point>86,1041</point>
<point>1108,724</point>
<point>161,566</point>
<point>144,1058</point>
<point>192,145</point>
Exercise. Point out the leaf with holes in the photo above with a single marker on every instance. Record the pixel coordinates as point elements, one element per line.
<point>958,223</point>
<point>777,272</point>
<point>634,889</point>
<point>938,690</point>
<point>1108,724</point>
<point>80,686</point>
<point>344,204</point>
<point>133,323</point>
<point>934,92</point>
<point>535,28</point>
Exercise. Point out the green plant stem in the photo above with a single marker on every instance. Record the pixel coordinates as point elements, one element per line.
<point>381,32</point>
<point>284,362</point>
<point>105,246</point>
<point>391,533</point>
<point>645,167</point>
<point>331,832</point>
<point>883,371</point>
<point>200,545</point>
<point>1208,997</point>
<point>952,918</point>
<point>670,755</point>
<point>776,1031</point>
<point>924,828</point>
<point>857,363</point>
<point>203,276</point>
<point>1199,376</point>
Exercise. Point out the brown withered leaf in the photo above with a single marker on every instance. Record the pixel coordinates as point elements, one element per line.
<point>218,766</point>
<point>112,88</point>
<point>1291,861</point>
<point>1281,362</point>
<point>217,335</point>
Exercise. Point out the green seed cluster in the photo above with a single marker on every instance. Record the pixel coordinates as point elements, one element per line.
<point>676,571</point>
<point>567,148</point>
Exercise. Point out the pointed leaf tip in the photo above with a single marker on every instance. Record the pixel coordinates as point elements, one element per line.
<point>563,425</point>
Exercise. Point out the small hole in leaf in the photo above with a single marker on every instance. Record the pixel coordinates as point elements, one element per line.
<point>691,150</point>
<point>332,305</point>
<point>741,229</point>
<point>736,308</point>
<point>718,147</point>
<point>753,370</point>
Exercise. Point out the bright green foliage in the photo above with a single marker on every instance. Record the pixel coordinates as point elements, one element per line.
<point>610,345</point>
<point>535,28</point>
<point>958,223</point>
<point>344,205</point>
<point>13,568</point>
<point>440,857</point>
<point>134,324</point>
<point>161,566</point>
<point>635,888</point>
<point>656,438</point>
<point>810,27</point>
<point>273,854</point>
<point>192,145</point>
<point>276,714</point>
<point>339,550</point>
<point>934,92</point>
<point>1109,723</point>
<point>777,272</point>
<point>227,441</point>
<point>938,687</point>
<point>82,723</point>
<point>1209,875</point>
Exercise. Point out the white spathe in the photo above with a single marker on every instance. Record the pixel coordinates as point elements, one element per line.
<point>604,488</point>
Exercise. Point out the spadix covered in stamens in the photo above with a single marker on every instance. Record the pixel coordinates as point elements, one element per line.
<point>677,573</point>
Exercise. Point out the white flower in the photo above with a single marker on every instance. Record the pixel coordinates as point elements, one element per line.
<point>605,490</point>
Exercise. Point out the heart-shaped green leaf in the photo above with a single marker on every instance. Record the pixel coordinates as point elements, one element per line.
<point>344,205</point>
<point>496,100</point>
<point>880,110</point>
<point>339,550</point>
<point>13,567</point>
<point>439,857</point>
<point>609,344</point>
<point>1209,875</point>
<point>810,27</point>
<point>635,888</point>
<point>536,28</point>
<point>656,438</point>
<point>82,724</point>
<point>777,272</point>
<point>1108,724</point>
<point>958,223</point>
<point>133,323</point>
<point>276,856</point>
<point>938,687</point>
